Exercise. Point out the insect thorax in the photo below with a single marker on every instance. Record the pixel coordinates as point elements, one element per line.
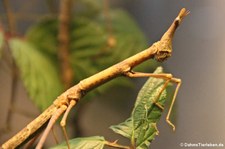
<point>164,50</point>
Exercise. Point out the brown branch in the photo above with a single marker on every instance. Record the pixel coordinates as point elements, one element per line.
<point>10,17</point>
<point>64,40</point>
<point>160,51</point>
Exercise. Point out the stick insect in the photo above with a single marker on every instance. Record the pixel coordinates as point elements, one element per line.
<point>160,51</point>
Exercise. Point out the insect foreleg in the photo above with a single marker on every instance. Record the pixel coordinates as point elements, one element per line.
<point>165,76</point>
<point>63,121</point>
<point>169,78</point>
<point>52,121</point>
<point>133,74</point>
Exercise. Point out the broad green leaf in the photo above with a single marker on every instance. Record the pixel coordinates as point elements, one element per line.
<point>124,128</point>
<point>140,128</point>
<point>146,135</point>
<point>96,142</point>
<point>1,42</point>
<point>38,74</point>
<point>144,106</point>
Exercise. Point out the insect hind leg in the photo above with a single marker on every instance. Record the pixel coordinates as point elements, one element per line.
<point>178,82</point>
<point>52,121</point>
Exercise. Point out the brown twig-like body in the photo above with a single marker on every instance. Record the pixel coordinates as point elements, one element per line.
<point>160,51</point>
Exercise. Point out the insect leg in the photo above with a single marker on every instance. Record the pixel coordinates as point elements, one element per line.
<point>133,74</point>
<point>169,78</point>
<point>31,142</point>
<point>55,136</point>
<point>178,82</point>
<point>52,121</point>
<point>63,121</point>
<point>165,76</point>
<point>159,94</point>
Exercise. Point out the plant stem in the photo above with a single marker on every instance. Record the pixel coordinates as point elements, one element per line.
<point>107,16</point>
<point>115,145</point>
<point>111,41</point>
<point>10,17</point>
<point>64,40</point>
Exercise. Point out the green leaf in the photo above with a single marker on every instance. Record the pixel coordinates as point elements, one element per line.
<point>140,128</point>
<point>38,74</point>
<point>146,135</point>
<point>124,128</point>
<point>44,36</point>
<point>144,106</point>
<point>129,38</point>
<point>1,42</point>
<point>95,142</point>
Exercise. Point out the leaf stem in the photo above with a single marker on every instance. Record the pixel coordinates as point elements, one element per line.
<point>115,145</point>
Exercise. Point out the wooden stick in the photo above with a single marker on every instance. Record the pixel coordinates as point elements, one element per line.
<point>160,51</point>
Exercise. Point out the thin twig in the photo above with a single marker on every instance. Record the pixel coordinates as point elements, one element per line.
<point>111,41</point>
<point>160,51</point>
<point>64,40</point>
<point>10,17</point>
<point>108,20</point>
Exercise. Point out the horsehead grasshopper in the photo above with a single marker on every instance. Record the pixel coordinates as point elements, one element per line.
<point>160,51</point>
